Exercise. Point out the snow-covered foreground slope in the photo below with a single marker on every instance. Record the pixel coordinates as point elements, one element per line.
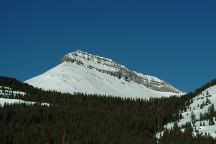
<point>6,92</point>
<point>86,73</point>
<point>9,101</point>
<point>4,101</point>
<point>200,113</point>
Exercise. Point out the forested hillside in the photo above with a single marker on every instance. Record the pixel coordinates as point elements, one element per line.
<point>90,119</point>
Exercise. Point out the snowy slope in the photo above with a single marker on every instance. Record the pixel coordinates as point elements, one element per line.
<point>9,101</point>
<point>86,73</point>
<point>200,105</point>
<point>4,101</point>
<point>5,92</point>
<point>8,91</point>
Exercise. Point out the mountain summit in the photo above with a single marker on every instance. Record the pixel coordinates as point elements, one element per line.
<point>86,73</point>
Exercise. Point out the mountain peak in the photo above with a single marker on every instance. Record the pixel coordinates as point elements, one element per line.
<point>87,56</point>
<point>90,60</point>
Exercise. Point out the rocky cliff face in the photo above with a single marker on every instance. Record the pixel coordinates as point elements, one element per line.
<point>110,67</point>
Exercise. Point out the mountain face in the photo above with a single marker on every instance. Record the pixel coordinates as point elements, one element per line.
<point>86,73</point>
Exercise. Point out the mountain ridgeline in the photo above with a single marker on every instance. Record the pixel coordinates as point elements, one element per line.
<point>81,118</point>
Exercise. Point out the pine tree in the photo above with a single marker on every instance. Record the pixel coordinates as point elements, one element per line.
<point>211,110</point>
<point>211,121</point>
<point>193,117</point>
<point>201,116</point>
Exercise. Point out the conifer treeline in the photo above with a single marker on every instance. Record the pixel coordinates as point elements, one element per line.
<point>87,119</point>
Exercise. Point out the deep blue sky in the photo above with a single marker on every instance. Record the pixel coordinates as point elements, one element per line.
<point>174,40</point>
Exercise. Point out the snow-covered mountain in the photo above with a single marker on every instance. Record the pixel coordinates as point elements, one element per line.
<point>86,73</point>
<point>201,114</point>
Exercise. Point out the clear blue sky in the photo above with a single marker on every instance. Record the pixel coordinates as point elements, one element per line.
<point>174,40</point>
